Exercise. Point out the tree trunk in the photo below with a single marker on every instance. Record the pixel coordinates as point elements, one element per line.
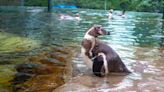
<point>163,23</point>
<point>49,6</point>
<point>163,15</point>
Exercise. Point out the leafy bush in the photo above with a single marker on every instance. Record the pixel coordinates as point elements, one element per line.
<point>135,5</point>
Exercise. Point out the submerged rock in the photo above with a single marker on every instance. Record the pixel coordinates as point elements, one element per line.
<point>43,83</point>
<point>43,72</point>
<point>29,77</point>
<point>6,74</point>
<point>21,78</point>
<point>51,61</point>
<point>14,43</point>
<point>37,69</point>
<point>26,68</point>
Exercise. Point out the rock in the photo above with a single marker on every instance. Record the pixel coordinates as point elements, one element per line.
<point>58,57</point>
<point>27,68</point>
<point>40,78</point>
<point>43,83</point>
<point>51,61</point>
<point>35,58</point>
<point>50,58</point>
<point>61,50</point>
<point>38,69</point>
<point>44,72</point>
<point>21,77</point>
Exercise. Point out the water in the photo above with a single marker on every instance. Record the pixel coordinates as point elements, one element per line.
<point>33,34</point>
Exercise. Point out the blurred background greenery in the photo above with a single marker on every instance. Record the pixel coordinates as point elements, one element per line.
<point>130,5</point>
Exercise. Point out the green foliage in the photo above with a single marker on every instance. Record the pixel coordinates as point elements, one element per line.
<point>135,5</point>
<point>63,2</point>
<point>97,4</point>
<point>146,5</point>
<point>9,2</point>
<point>36,2</point>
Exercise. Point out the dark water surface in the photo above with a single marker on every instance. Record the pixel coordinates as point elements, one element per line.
<point>34,36</point>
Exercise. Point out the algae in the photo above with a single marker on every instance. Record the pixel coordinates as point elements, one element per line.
<point>6,76</point>
<point>14,43</point>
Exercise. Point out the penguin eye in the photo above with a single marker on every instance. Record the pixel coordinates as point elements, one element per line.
<point>98,29</point>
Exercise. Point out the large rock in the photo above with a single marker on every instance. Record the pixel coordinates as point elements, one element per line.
<point>44,72</point>
<point>43,83</point>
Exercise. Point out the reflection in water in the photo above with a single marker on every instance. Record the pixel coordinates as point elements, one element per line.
<point>41,38</point>
<point>162,39</point>
<point>145,33</point>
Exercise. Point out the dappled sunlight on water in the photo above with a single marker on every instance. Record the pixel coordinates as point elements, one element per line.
<point>46,51</point>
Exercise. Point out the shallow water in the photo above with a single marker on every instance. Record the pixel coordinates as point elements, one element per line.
<point>32,31</point>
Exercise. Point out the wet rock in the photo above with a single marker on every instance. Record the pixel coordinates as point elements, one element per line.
<point>26,68</point>
<point>43,83</point>
<point>58,57</point>
<point>6,74</point>
<point>49,70</point>
<point>21,77</point>
<point>51,61</point>
<point>35,58</point>
<point>24,72</point>
<point>61,50</point>
<point>5,61</point>
<point>36,77</point>
<point>51,58</point>
<point>38,69</point>
<point>43,72</point>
